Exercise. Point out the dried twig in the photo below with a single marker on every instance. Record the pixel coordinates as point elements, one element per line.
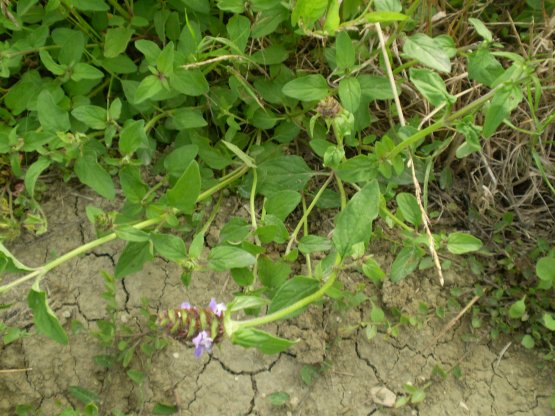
<point>453,321</point>
<point>417,189</point>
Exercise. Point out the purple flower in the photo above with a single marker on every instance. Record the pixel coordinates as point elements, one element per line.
<point>217,308</point>
<point>202,342</point>
<point>185,305</point>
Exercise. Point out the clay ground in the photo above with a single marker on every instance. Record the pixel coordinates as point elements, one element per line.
<point>235,381</point>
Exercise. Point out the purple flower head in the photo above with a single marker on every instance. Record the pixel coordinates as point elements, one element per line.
<point>217,308</point>
<point>185,305</point>
<point>202,342</point>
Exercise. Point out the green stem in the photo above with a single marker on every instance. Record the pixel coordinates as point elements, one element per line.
<point>120,9</point>
<point>442,123</point>
<point>156,118</point>
<point>306,214</point>
<point>282,313</point>
<point>103,240</point>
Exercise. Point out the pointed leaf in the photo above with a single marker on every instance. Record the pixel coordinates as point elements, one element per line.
<point>184,194</point>
<point>265,342</point>
<point>46,321</point>
<point>307,88</point>
<point>354,223</point>
<point>428,52</point>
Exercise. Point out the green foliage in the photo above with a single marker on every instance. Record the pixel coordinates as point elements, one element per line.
<point>168,105</point>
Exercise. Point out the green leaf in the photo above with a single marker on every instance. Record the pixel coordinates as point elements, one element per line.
<point>164,409</point>
<point>405,263</point>
<point>189,82</point>
<point>344,51</point>
<point>132,258</point>
<point>232,6</point>
<point>263,341</point>
<point>431,86</point>
<point>188,118</point>
<point>21,95</point>
<point>132,137</point>
<point>243,276</point>
<point>249,161</point>
<point>239,29</point>
<point>545,269</point>
<point>272,273</point>
<point>82,71</point>
<point>148,88</point>
<point>283,172</point>
<point>34,171</point>
<point>481,29</point>
<point>377,315</point>
<point>89,172</point>
<point>308,374</point>
<point>9,263</point>
<point>384,17</point>
<point>179,159</point>
<point>131,183</point>
<point>279,398</point>
<point>333,20</point>
<point>222,258</point>
<point>50,64</point>
<point>116,41</point>
<point>128,233</point>
<point>91,5</point>
<point>169,246</point>
<point>408,205</point>
<point>354,223</point>
<point>247,302</point>
<point>350,93</point>
<point>388,5</point>
<point>91,115</point>
<point>272,229</point>
<point>307,88</point>
<point>357,169</point>
<point>45,320</point>
<point>83,395</point>
<point>234,230</point>
<point>136,376</point>
<point>517,309</point>
<point>483,67</point>
<point>548,321</point>
<point>282,203</point>
<point>184,194</point>
<point>503,103</point>
<point>51,115</point>
<point>426,51</point>
<point>373,271</point>
<point>471,134</point>
<point>460,243</point>
<point>149,49</point>
<point>292,291</point>
<point>164,62</point>
<point>314,243</point>
<point>308,11</point>
<point>528,342</point>
<point>375,87</point>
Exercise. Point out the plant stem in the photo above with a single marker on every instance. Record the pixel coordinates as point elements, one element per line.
<point>307,213</point>
<point>107,238</point>
<point>120,9</point>
<point>443,122</point>
<point>282,313</point>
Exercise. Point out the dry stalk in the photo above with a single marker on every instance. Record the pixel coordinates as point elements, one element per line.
<point>452,322</point>
<point>417,189</point>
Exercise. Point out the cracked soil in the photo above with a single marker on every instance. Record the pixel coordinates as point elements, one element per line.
<point>235,381</point>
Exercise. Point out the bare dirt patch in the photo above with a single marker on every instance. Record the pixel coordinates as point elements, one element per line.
<point>234,381</point>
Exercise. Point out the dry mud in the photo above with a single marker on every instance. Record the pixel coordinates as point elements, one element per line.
<point>235,381</point>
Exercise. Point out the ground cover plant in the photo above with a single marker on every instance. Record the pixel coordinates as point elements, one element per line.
<point>379,114</point>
